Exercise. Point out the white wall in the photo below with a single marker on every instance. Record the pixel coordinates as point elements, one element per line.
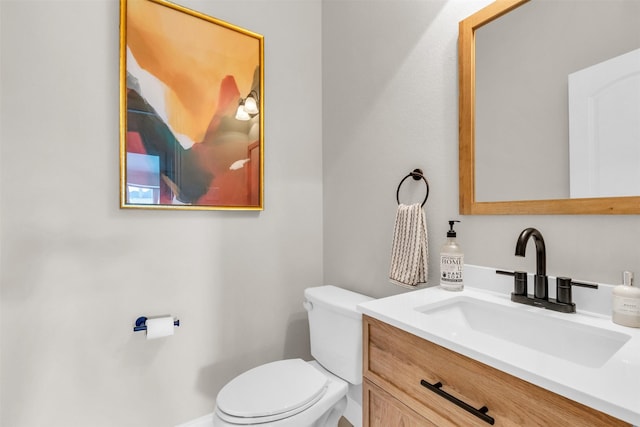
<point>390,105</point>
<point>76,270</point>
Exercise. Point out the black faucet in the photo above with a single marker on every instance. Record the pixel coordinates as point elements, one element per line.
<point>541,282</point>
<point>540,297</point>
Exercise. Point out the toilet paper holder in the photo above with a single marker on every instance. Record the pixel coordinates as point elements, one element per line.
<point>141,324</point>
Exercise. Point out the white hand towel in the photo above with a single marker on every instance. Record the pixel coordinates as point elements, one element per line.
<point>410,251</point>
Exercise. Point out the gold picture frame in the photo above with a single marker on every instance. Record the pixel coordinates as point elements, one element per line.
<point>191,110</point>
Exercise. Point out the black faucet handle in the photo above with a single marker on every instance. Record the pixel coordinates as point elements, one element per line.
<point>519,281</point>
<point>563,289</point>
<point>505,272</point>
<point>585,285</point>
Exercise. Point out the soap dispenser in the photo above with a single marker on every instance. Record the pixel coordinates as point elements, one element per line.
<point>626,302</point>
<point>451,262</point>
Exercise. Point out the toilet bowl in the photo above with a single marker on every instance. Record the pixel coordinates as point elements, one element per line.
<point>281,399</point>
<point>297,393</point>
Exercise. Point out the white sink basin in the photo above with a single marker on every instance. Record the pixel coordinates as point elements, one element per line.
<point>532,328</point>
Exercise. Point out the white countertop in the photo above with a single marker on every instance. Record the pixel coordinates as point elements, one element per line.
<point>613,388</point>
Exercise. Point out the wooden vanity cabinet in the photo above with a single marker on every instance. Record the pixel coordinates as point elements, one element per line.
<point>397,364</point>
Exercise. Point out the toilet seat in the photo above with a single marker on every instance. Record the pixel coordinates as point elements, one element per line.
<point>271,392</point>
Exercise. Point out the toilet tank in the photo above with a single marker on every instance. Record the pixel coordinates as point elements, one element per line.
<point>335,329</point>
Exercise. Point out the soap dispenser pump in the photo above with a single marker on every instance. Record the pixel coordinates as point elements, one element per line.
<point>626,302</point>
<point>451,262</point>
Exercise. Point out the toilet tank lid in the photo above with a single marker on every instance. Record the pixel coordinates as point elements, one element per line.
<point>337,299</point>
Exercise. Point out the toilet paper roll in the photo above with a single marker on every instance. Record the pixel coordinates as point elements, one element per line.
<point>159,327</point>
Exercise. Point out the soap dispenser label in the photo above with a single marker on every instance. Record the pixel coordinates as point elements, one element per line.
<point>626,305</point>
<point>451,269</point>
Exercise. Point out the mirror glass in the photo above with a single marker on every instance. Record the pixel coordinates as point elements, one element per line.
<point>519,112</point>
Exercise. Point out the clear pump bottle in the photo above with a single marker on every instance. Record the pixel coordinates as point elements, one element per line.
<point>626,302</point>
<point>451,262</point>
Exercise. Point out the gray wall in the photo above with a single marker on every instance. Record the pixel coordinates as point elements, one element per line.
<point>391,105</point>
<point>76,271</point>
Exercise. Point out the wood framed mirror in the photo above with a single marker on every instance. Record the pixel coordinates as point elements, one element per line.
<point>470,204</point>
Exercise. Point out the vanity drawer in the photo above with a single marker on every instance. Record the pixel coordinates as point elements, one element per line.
<point>398,362</point>
<point>383,410</point>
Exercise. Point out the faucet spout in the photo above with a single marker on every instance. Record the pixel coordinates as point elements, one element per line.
<point>541,283</point>
<point>541,251</point>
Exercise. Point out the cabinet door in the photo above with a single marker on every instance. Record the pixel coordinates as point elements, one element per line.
<point>383,410</point>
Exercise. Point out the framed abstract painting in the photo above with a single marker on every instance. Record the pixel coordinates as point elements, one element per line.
<point>191,110</point>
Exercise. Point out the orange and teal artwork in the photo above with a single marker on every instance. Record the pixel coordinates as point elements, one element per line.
<point>191,110</point>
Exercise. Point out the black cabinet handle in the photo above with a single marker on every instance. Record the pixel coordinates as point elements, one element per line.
<point>480,413</point>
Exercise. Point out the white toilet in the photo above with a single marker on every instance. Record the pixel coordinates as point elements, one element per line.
<point>305,394</point>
